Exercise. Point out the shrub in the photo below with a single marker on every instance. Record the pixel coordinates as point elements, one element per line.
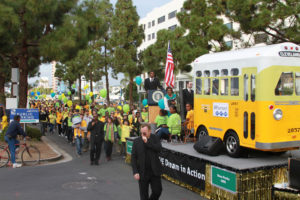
<point>33,133</point>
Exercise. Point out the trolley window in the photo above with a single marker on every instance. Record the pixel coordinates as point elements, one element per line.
<point>215,86</point>
<point>198,86</point>
<point>253,85</point>
<point>234,86</point>
<point>285,84</point>
<point>297,82</point>
<point>246,88</point>
<point>207,86</point>
<point>224,86</point>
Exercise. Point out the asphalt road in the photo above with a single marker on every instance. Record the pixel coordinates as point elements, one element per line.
<point>77,179</point>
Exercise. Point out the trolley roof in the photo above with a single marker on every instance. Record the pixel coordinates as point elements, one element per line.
<point>286,49</point>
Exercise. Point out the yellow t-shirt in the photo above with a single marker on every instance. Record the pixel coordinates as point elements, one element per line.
<point>190,117</point>
<point>125,132</point>
<point>58,117</point>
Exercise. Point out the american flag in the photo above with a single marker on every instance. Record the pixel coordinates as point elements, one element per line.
<point>169,73</point>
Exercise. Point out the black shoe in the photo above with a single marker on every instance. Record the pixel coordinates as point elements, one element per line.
<point>92,162</point>
<point>96,162</point>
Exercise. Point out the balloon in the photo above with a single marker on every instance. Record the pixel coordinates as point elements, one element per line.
<point>52,91</point>
<point>52,94</point>
<point>77,107</point>
<point>65,100</point>
<point>91,94</point>
<point>161,104</point>
<point>60,97</point>
<point>103,93</point>
<point>69,103</point>
<point>38,93</point>
<point>73,86</point>
<point>86,87</point>
<point>57,104</point>
<point>36,97</point>
<point>126,108</point>
<point>87,97</point>
<point>138,80</point>
<point>44,96</point>
<point>90,101</point>
<point>63,95</point>
<point>69,93</point>
<point>145,102</point>
<point>32,93</point>
<point>120,108</point>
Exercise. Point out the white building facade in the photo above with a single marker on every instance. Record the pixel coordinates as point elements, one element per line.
<point>53,78</point>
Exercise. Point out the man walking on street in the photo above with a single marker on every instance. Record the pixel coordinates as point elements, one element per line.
<point>96,128</point>
<point>13,130</point>
<point>145,163</point>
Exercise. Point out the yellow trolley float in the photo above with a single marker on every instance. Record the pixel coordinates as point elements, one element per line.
<point>249,98</point>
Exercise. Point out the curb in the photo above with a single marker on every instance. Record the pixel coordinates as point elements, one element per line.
<point>52,159</point>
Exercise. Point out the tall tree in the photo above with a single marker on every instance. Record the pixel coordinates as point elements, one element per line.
<point>127,36</point>
<point>278,19</point>
<point>36,19</point>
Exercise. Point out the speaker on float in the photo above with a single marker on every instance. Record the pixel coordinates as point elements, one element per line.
<point>209,145</point>
<point>294,173</point>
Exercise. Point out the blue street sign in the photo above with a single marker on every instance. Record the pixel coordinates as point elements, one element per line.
<point>27,115</point>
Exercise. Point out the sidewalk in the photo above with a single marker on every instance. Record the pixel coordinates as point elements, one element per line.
<point>47,150</point>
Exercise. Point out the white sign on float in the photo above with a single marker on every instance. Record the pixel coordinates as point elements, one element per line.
<point>221,110</point>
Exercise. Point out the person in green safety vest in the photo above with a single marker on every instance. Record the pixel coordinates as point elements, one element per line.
<point>110,130</point>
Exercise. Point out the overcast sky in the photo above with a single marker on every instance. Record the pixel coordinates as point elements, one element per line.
<point>143,7</point>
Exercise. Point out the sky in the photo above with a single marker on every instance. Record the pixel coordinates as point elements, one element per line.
<point>143,7</point>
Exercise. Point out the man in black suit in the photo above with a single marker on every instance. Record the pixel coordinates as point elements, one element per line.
<point>152,83</point>
<point>188,96</point>
<point>145,163</point>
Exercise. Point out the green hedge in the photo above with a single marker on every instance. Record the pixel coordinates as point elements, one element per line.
<point>33,133</point>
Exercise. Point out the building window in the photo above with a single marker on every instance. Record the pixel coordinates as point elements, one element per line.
<point>161,19</point>
<point>153,23</point>
<point>149,24</point>
<point>172,14</point>
<point>153,35</point>
<point>149,37</point>
<point>172,28</point>
<point>229,25</point>
<point>228,44</point>
<point>182,9</point>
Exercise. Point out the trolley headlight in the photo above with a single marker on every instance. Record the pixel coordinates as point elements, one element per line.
<point>277,114</point>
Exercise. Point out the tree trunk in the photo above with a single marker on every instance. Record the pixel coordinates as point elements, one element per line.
<point>23,87</point>
<point>130,91</point>
<point>2,89</point>
<point>106,74</point>
<point>91,85</point>
<point>79,88</point>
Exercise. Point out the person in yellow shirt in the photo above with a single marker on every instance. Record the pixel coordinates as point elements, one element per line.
<point>189,123</point>
<point>59,118</point>
<point>125,133</point>
<point>52,118</point>
<point>79,130</point>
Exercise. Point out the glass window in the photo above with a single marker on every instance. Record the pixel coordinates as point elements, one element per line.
<point>234,86</point>
<point>207,73</point>
<point>207,86</point>
<point>252,126</point>
<point>149,24</point>
<point>198,73</point>
<point>285,84</point>
<point>246,88</point>
<point>216,73</point>
<point>253,85</point>
<point>245,125</point>
<point>229,25</point>
<point>234,72</point>
<point>161,19</point>
<point>297,82</point>
<point>172,14</point>
<point>144,26</point>
<point>153,35</point>
<point>153,23</point>
<point>224,86</point>
<point>215,86</point>
<point>149,37</point>
<point>198,86</point>
<point>229,44</point>
<point>224,72</point>
<point>172,28</point>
